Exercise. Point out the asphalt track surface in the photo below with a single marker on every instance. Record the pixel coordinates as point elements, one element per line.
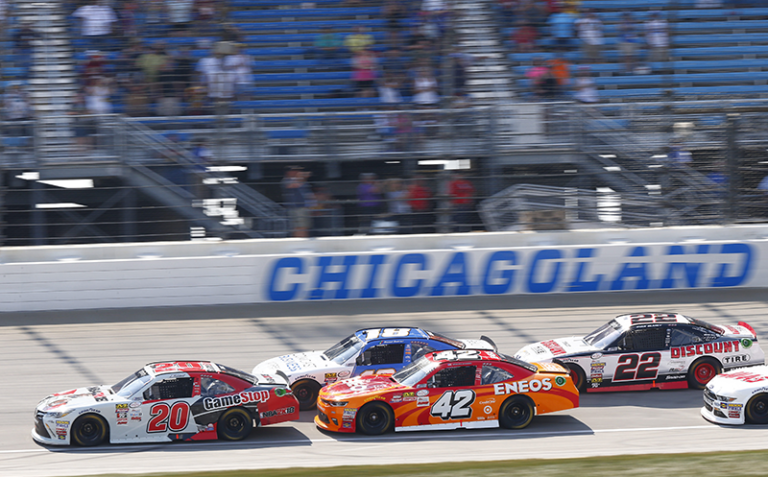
<point>51,351</point>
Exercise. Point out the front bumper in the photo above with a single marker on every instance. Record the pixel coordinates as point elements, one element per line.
<point>50,431</point>
<point>335,419</point>
<point>729,413</point>
<point>47,440</point>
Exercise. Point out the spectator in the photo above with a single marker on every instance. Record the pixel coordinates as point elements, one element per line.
<point>22,43</point>
<point>328,45</point>
<point>241,67</point>
<point>195,98</point>
<point>150,63</point>
<point>364,73</point>
<point>97,19</point>
<point>179,15</point>
<point>94,68</point>
<point>537,74</point>
<point>155,17</point>
<point>205,16</point>
<point>420,200</point>
<point>184,70</point>
<point>425,89</point>
<point>218,81</point>
<point>509,11</point>
<point>629,41</point>
<point>584,87</point>
<point>325,214</point>
<point>128,19</point>
<point>136,100</point>
<point>393,62</point>
<point>394,12</point>
<point>462,199</point>
<point>524,37</point>
<point>169,102</point>
<point>560,69</point>
<point>398,205</point>
<point>389,91</point>
<point>358,41</point>
<point>83,126</point>
<point>97,97</point>
<point>590,30</point>
<point>297,198</point>
<point>435,13</point>
<point>561,25</point>
<point>657,38</point>
<point>369,201</point>
<point>230,33</point>
<point>16,109</point>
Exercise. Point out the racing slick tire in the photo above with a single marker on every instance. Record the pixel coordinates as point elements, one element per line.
<point>375,418</point>
<point>578,376</point>
<point>306,391</point>
<point>235,424</point>
<point>757,409</point>
<point>516,412</point>
<point>90,430</point>
<point>702,371</point>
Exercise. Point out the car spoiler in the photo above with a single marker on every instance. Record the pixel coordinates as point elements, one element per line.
<point>485,338</point>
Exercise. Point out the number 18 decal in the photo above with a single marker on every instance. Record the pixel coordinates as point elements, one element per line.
<point>454,405</point>
<point>161,412</point>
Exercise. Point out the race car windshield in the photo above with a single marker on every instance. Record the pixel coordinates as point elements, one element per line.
<point>132,384</point>
<point>446,340</point>
<point>605,335</point>
<point>415,372</point>
<point>343,350</point>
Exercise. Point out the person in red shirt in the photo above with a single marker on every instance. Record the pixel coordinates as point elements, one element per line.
<point>462,194</point>
<point>420,200</point>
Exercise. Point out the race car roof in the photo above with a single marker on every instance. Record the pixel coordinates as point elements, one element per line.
<point>652,317</point>
<point>393,333</point>
<point>478,355</point>
<point>165,367</point>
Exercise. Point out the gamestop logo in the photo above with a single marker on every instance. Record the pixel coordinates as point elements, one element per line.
<point>245,397</point>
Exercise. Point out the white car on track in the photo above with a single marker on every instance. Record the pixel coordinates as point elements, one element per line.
<point>738,397</point>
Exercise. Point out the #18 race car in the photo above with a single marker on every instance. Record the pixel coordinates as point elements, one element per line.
<point>369,351</point>
<point>650,350</point>
<point>738,397</point>
<point>447,390</point>
<point>167,401</point>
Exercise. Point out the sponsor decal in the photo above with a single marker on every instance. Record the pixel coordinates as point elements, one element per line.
<point>595,379</point>
<point>488,401</point>
<point>673,377</point>
<point>278,412</point>
<point>396,398</point>
<point>597,355</point>
<point>346,424</point>
<point>280,392</point>
<point>534,385</point>
<point>422,401</point>
<point>134,414</point>
<point>746,342</point>
<point>134,404</point>
<point>349,412</point>
<point>746,376</point>
<point>708,348</point>
<point>553,347</point>
<point>331,377</point>
<point>422,393</point>
<point>62,424</point>
<point>90,409</point>
<point>560,381</point>
<point>734,414</point>
<point>121,414</point>
<point>736,358</point>
<point>344,374</point>
<point>733,330</point>
<point>244,397</point>
<point>409,396</point>
<point>735,406</point>
<point>487,409</point>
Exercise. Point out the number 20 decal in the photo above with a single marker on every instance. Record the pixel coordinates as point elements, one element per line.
<point>164,417</point>
<point>628,368</point>
<point>454,405</point>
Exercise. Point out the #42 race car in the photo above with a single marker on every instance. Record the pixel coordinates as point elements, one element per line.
<point>163,402</point>
<point>447,390</point>
<point>650,350</point>
<point>369,351</point>
<point>738,397</point>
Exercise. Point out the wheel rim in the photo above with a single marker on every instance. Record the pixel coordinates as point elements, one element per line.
<point>374,419</point>
<point>575,377</point>
<point>704,373</point>
<point>235,424</point>
<point>760,407</point>
<point>89,430</point>
<point>517,413</point>
<point>302,393</point>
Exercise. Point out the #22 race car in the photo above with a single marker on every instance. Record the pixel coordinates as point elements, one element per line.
<point>369,351</point>
<point>447,390</point>
<point>164,402</point>
<point>737,397</point>
<point>650,350</point>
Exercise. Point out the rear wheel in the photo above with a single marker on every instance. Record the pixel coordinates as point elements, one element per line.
<point>702,371</point>
<point>578,376</point>
<point>235,424</point>
<point>757,409</point>
<point>375,418</point>
<point>516,412</point>
<point>306,391</point>
<point>89,430</point>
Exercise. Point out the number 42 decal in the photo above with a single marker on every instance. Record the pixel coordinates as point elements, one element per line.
<point>454,405</point>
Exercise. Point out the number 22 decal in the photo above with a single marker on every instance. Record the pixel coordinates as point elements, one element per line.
<point>161,412</point>
<point>454,405</point>
<point>628,368</point>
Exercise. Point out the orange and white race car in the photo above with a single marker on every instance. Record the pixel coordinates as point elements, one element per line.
<point>448,390</point>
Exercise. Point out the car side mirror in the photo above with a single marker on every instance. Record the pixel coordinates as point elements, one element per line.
<point>359,360</point>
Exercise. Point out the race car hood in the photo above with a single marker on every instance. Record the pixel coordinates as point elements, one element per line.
<point>545,351</point>
<point>359,386</point>
<point>74,398</point>
<point>739,382</point>
<point>296,365</point>
<point>478,344</point>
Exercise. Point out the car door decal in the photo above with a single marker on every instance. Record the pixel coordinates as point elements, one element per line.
<point>637,367</point>
<point>454,405</point>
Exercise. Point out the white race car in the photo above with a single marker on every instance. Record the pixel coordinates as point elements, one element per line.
<point>650,350</point>
<point>738,397</point>
<point>370,351</point>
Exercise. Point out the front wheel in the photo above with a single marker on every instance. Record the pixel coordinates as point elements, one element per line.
<point>702,371</point>
<point>89,430</point>
<point>235,424</point>
<point>306,391</point>
<point>516,412</point>
<point>375,418</point>
<point>757,409</point>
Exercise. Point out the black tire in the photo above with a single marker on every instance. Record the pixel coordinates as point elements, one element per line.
<point>702,371</point>
<point>235,424</point>
<point>577,376</point>
<point>90,430</point>
<point>306,391</point>
<point>375,418</point>
<point>516,412</point>
<point>757,409</point>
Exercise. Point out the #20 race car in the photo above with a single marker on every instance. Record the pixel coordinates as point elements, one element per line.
<point>163,402</point>
<point>650,350</point>
<point>738,397</point>
<point>447,390</point>
<point>369,351</point>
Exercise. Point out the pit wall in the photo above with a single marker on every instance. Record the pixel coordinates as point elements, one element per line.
<point>347,268</point>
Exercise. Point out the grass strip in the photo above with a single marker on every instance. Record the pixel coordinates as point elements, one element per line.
<point>721,464</point>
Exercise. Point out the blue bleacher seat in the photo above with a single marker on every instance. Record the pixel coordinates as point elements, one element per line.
<point>306,12</point>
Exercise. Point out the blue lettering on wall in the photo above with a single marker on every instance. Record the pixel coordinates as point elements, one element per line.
<point>689,270</point>
<point>579,284</point>
<point>404,291</point>
<point>546,286</point>
<point>285,263</point>
<point>370,291</point>
<point>455,273</point>
<point>723,279</point>
<point>636,271</point>
<point>495,283</point>
<point>325,276</point>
